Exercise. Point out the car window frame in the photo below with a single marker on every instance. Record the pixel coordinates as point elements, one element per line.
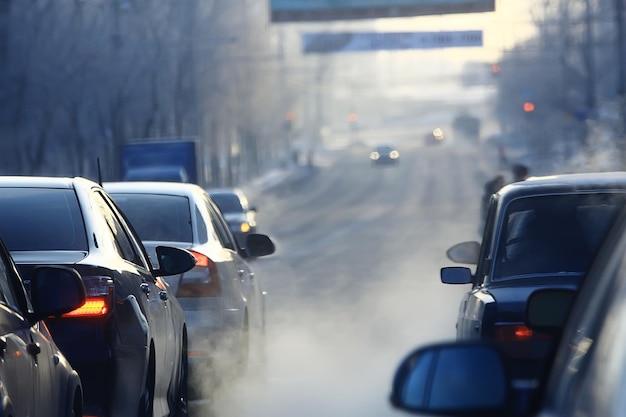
<point>139,257</point>
<point>220,226</point>
<point>11,282</point>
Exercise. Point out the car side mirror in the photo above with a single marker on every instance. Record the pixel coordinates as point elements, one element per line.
<point>173,261</point>
<point>464,253</point>
<point>258,244</point>
<point>547,309</point>
<point>460,379</point>
<point>456,275</point>
<point>55,290</point>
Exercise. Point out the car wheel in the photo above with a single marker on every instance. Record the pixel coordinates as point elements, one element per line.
<point>244,349</point>
<point>146,402</point>
<point>77,405</point>
<point>183,381</point>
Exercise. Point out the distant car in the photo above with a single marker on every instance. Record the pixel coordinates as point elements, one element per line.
<point>222,298</point>
<point>128,342</point>
<point>435,137</point>
<point>586,373</point>
<point>385,155</point>
<point>35,377</point>
<point>239,214</point>
<point>539,233</point>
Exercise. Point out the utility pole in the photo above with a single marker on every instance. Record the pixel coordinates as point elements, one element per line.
<point>621,75</point>
<point>589,61</point>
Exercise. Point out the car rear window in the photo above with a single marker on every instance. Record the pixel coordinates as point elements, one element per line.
<point>157,217</point>
<point>554,234</point>
<point>38,219</point>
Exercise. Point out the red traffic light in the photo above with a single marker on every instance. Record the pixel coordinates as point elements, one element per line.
<point>529,107</point>
<point>495,69</point>
<point>353,117</point>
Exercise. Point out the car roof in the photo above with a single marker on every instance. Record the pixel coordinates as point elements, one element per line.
<point>564,183</point>
<point>224,190</point>
<point>44,182</point>
<point>152,187</point>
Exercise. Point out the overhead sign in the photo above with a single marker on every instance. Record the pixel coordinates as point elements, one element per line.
<point>327,10</point>
<point>327,42</point>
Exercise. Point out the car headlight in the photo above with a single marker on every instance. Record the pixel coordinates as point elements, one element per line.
<point>394,154</point>
<point>374,156</point>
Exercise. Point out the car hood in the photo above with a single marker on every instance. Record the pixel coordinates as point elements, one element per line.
<point>511,299</point>
<point>48,257</point>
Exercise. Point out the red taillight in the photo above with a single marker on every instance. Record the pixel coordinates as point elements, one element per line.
<point>99,297</point>
<point>93,307</point>
<point>513,333</point>
<point>202,280</point>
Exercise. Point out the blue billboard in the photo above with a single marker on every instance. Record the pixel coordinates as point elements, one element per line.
<point>330,42</point>
<point>327,10</point>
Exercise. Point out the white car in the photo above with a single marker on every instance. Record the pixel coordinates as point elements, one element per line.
<point>221,297</point>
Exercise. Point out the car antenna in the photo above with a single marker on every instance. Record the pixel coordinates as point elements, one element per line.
<point>99,172</point>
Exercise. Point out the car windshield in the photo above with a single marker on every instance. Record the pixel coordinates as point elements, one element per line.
<point>227,203</point>
<point>553,234</point>
<point>38,219</point>
<point>157,217</point>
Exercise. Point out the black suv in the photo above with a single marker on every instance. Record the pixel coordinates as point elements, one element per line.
<point>128,342</point>
<point>539,233</point>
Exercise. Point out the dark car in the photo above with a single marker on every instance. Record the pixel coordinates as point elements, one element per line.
<point>541,232</point>
<point>222,298</point>
<point>586,373</point>
<point>240,215</point>
<point>385,155</point>
<point>35,377</point>
<point>128,342</point>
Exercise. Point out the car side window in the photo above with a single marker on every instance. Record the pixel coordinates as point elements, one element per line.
<point>221,228</point>
<point>203,233</point>
<point>7,294</point>
<point>123,242</point>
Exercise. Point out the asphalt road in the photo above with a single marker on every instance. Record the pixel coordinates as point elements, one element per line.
<point>354,284</point>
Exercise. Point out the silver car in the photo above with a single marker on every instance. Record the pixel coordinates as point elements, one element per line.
<point>222,299</point>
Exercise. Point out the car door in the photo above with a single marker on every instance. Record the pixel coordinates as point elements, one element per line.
<point>587,378</point>
<point>471,310</point>
<point>230,263</point>
<point>152,298</point>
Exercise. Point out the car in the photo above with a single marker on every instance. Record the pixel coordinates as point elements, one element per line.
<point>586,373</point>
<point>36,379</point>
<point>435,137</point>
<point>385,155</point>
<point>223,299</point>
<point>128,341</point>
<point>541,232</point>
<point>239,214</point>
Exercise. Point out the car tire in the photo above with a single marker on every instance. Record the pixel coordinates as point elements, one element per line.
<point>146,402</point>
<point>77,404</point>
<point>182,393</point>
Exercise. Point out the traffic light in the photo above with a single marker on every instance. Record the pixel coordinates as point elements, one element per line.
<point>289,118</point>
<point>353,117</point>
<point>495,69</point>
<point>529,107</point>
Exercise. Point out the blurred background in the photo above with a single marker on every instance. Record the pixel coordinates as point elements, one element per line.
<point>80,78</point>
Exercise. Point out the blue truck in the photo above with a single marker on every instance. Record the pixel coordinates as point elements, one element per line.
<point>162,159</point>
